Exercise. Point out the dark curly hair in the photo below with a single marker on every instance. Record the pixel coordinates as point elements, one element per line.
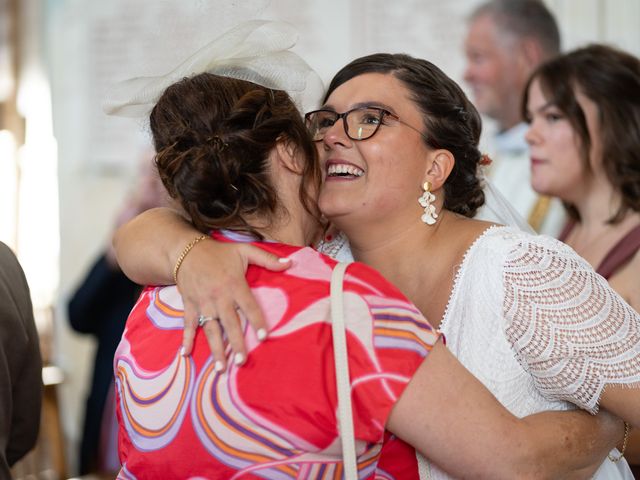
<point>451,121</point>
<point>610,78</point>
<point>213,136</point>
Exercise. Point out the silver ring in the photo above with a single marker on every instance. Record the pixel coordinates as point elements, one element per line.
<point>203,319</point>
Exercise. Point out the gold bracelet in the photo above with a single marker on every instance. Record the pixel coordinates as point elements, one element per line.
<point>627,428</point>
<point>184,253</point>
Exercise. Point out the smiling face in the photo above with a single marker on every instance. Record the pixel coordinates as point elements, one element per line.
<point>557,165</point>
<point>379,177</point>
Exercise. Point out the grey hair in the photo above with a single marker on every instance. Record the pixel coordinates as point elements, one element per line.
<point>524,19</point>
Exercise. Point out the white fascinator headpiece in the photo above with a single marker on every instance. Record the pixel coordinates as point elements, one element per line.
<point>257,51</point>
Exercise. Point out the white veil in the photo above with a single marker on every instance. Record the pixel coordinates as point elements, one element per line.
<point>498,209</point>
<point>257,51</point>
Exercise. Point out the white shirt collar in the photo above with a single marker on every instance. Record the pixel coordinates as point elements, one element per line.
<point>512,141</point>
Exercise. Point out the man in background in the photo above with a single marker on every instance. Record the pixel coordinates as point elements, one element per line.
<point>506,40</point>
<point>20,365</point>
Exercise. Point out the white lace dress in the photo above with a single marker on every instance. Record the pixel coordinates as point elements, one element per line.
<point>541,330</point>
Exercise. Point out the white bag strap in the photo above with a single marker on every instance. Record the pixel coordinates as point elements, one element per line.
<point>343,383</point>
<point>345,413</point>
<point>424,468</point>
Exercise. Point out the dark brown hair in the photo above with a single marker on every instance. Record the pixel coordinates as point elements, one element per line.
<point>450,119</point>
<point>213,136</point>
<point>611,79</point>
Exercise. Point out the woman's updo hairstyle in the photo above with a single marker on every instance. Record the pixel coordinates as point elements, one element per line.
<point>213,136</point>
<point>451,121</point>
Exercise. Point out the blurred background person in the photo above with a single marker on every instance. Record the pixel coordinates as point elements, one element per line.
<point>583,110</point>
<point>20,364</point>
<point>100,307</point>
<point>506,40</point>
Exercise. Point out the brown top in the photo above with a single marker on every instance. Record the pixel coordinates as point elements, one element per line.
<point>619,254</point>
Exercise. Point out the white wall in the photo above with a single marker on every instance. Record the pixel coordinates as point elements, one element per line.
<point>92,43</point>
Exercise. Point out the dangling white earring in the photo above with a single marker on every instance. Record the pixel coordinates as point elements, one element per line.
<point>426,201</point>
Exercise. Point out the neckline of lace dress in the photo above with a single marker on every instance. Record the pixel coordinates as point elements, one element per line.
<point>456,280</point>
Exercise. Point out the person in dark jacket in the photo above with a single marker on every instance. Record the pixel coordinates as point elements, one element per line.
<point>20,365</point>
<point>100,307</point>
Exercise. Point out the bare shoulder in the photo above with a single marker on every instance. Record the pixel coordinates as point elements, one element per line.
<point>625,282</point>
<point>470,228</point>
<point>481,225</point>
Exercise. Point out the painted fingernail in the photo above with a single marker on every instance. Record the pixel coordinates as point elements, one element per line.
<point>238,358</point>
<point>219,366</point>
<point>183,351</point>
<point>284,259</point>
<point>261,334</point>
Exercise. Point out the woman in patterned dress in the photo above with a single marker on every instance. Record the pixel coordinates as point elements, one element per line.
<point>523,313</point>
<point>183,417</point>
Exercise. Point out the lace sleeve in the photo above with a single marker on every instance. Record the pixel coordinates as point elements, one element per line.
<point>569,329</point>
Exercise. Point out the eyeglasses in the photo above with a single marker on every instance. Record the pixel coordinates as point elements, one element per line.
<point>364,122</point>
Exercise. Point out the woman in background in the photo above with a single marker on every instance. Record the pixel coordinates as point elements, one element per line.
<point>583,110</point>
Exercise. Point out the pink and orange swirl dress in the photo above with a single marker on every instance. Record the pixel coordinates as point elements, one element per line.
<point>274,417</point>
